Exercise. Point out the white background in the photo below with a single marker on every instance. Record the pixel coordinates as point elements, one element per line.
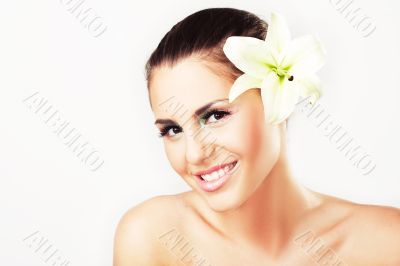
<point>98,85</point>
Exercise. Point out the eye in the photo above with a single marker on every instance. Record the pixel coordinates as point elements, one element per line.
<point>165,131</point>
<point>217,114</point>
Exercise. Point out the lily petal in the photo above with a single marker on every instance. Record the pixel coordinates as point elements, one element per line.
<point>242,84</point>
<point>278,34</point>
<point>251,55</point>
<point>304,55</point>
<point>279,98</point>
<point>310,87</point>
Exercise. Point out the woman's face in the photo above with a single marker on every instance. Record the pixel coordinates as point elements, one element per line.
<point>232,132</point>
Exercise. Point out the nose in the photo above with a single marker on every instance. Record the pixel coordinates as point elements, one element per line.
<point>198,145</point>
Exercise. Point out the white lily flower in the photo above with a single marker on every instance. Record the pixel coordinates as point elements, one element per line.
<point>282,68</point>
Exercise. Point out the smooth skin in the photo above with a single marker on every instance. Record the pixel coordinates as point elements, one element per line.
<point>261,216</point>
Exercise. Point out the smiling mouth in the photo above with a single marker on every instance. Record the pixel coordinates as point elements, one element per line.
<point>217,174</point>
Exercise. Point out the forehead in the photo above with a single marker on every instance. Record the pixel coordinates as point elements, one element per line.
<point>190,84</point>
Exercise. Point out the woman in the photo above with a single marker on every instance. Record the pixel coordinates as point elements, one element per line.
<point>244,207</point>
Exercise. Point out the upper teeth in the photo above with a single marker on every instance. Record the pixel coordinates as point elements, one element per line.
<point>217,174</point>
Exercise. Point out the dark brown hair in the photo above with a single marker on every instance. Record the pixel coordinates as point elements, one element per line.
<point>203,34</point>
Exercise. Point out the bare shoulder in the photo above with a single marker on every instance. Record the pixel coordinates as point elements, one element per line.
<point>356,234</point>
<point>376,233</point>
<point>136,236</point>
<point>370,233</point>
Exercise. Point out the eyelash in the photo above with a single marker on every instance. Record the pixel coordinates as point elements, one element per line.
<point>164,131</point>
<point>211,112</point>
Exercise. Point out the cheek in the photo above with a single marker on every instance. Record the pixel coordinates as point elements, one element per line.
<point>250,133</point>
<point>243,137</point>
<point>253,136</point>
<point>175,157</point>
<point>249,137</point>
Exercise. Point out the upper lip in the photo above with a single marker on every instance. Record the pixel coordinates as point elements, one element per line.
<point>212,169</point>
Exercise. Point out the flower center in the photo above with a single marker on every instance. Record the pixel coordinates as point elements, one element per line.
<point>283,73</point>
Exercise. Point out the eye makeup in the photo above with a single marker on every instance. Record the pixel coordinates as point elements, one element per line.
<point>219,114</point>
<point>165,129</point>
<point>203,114</point>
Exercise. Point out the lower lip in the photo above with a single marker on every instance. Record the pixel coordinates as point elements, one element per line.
<point>214,185</point>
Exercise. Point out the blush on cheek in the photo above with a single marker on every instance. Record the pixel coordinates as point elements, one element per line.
<point>243,136</point>
<point>176,158</point>
<point>252,134</point>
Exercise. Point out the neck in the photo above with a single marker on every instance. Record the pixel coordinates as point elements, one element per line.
<point>268,218</point>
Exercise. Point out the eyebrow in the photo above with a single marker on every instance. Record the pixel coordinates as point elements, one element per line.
<point>198,112</point>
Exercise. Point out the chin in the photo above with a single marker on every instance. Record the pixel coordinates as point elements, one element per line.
<point>224,203</point>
